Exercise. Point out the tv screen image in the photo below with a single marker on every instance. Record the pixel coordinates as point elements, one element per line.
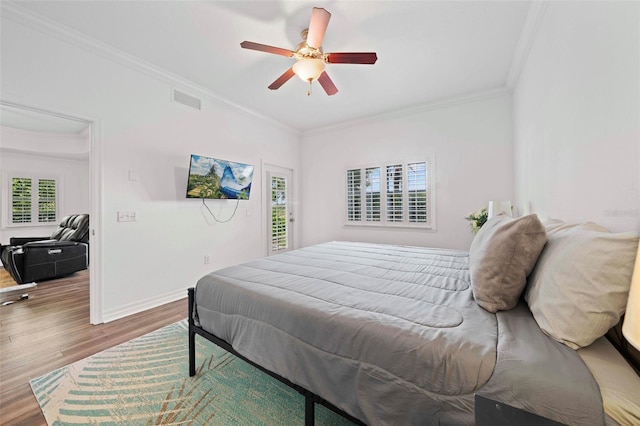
<point>213,178</point>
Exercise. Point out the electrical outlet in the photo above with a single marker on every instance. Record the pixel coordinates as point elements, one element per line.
<point>206,259</point>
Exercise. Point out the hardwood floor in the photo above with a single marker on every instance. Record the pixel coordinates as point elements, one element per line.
<point>50,330</point>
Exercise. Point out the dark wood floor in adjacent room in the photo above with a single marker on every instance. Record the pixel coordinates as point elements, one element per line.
<point>50,330</point>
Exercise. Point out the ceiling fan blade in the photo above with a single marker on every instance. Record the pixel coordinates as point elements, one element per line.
<point>352,58</point>
<point>264,48</point>
<point>317,27</point>
<point>327,84</point>
<point>282,79</point>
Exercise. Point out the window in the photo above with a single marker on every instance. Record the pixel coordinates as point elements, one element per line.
<point>20,200</point>
<point>32,200</point>
<point>46,200</point>
<point>372,194</point>
<point>417,194</point>
<point>394,193</point>
<point>398,194</point>
<point>354,197</point>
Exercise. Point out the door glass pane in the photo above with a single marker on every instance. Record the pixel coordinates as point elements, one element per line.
<point>279,237</point>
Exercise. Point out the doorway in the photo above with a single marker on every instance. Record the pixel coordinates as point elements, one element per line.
<point>43,123</point>
<point>280,216</point>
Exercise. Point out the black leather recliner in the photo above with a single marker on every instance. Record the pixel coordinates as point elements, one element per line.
<point>66,251</point>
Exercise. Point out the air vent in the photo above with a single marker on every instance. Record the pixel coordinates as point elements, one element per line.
<point>184,99</point>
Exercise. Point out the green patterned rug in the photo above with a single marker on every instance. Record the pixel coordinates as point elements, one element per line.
<point>145,381</point>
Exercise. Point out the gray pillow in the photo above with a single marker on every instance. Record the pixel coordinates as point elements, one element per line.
<point>579,288</point>
<point>502,254</point>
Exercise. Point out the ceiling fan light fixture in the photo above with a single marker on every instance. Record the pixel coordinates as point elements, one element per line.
<point>308,69</point>
<point>310,57</point>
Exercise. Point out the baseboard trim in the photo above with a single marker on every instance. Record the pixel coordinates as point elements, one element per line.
<point>143,305</point>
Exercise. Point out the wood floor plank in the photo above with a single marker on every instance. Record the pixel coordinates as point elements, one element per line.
<point>50,330</point>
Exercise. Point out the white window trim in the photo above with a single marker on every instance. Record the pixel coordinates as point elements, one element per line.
<point>431,189</point>
<point>7,213</point>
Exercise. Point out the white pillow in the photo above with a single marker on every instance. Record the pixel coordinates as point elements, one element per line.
<point>555,225</point>
<point>578,289</point>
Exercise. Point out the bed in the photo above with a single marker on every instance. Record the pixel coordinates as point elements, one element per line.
<point>389,334</point>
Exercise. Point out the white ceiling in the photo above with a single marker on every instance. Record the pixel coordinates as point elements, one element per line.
<point>428,51</point>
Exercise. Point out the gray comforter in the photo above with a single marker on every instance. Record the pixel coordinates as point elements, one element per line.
<point>392,335</point>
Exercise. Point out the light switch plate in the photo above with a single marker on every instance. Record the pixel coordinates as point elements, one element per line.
<point>126,216</point>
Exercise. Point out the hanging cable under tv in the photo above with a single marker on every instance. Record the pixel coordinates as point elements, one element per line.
<point>214,216</point>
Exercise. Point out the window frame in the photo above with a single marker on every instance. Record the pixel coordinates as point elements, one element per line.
<point>36,213</point>
<point>387,218</point>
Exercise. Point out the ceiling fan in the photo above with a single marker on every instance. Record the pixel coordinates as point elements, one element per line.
<point>310,59</point>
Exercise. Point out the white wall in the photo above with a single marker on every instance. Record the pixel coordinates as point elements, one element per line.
<point>577,113</point>
<point>472,144</point>
<point>24,151</point>
<point>154,259</point>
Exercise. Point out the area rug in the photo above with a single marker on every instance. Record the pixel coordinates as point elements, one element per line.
<point>145,381</point>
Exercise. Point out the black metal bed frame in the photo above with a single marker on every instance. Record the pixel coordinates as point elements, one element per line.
<point>310,399</point>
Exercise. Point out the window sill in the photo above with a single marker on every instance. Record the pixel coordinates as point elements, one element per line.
<point>31,225</point>
<point>387,226</point>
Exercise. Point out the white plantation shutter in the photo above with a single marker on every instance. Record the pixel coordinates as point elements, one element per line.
<point>279,240</point>
<point>398,194</point>
<point>417,198</point>
<point>395,188</point>
<point>33,200</point>
<point>20,200</point>
<point>372,194</point>
<point>354,196</point>
<point>46,200</point>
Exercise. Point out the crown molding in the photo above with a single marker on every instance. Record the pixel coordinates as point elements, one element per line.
<point>74,156</point>
<point>415,109</point>
<point>39,144</point>
<point>61,32</point>
<point>535,14</point>
<point>13,131</point>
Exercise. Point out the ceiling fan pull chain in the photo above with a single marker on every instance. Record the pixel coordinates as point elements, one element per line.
<point>309,91</point>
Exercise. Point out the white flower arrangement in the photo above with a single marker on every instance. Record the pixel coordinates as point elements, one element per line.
<point>477,219</point>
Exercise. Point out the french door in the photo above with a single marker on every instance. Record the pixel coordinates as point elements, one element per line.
<point>279,213</point>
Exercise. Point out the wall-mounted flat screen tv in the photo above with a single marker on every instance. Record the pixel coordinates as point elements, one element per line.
<point>218,179</point>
